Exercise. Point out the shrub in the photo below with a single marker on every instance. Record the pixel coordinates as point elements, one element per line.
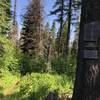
<point>8,55</point>
<point>36,86</point>
<point>31,64</point>
<point>7,79</point>
<point>8,88</point>
<point>64,65</point>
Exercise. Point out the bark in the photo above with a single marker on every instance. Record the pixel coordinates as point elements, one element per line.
<point>61,27</point>
<point>87,83</point>
<point>14,22</point>
<point>69,25</point>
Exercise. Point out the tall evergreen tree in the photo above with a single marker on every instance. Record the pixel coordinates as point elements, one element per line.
<point>5,16</point>
<point>49,46</point>
<point>69,26</point>
<point>53,29</point>
<point>63,37</point>
<point>73,7</point>
<point>32,29</point>
<point>60,11</point>
<point>14,28</point>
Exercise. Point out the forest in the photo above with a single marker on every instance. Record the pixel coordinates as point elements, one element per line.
<point>54,59</point>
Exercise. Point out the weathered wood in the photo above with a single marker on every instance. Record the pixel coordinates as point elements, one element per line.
<point>91,31</point>
<point>91,45</point>
<point>90,54</point>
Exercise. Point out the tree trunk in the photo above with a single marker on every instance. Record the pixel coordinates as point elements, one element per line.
<point>61,28</point>
<point>87,83</point>
<point>14,22</point>
<point>69,25</point>
<point>14,27</point>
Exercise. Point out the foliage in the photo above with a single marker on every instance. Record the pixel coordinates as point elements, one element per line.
<point>9,85</point>
<point>7,78</point>
<point>34,87</point>
<point>39,51</point>
<point>31,35</point>
<point>9,58</point>
<point>53,28</point>
<point>63,38</point>
<point>64,65</point>
<point>37,86</point>
<point>4,16</point>
<point>31,64</point>
<point>60,9</point>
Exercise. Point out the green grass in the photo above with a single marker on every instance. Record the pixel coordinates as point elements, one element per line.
<point>33,87</point>
<point>8,85</point>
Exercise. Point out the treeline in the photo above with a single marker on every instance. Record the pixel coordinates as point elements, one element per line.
<point>42,43</point>
<point>42,48</point>
<point>30,62</point>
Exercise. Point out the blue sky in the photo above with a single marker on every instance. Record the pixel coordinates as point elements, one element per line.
<point>22,4</point>
<point>48,4</point>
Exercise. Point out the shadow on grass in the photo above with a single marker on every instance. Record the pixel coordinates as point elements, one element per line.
<point>40,94</point>
<point>14,96</point>
<point>24,94</point>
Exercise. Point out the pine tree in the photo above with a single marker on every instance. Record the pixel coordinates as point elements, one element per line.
<point>45,37</point>
<point>74,50</point>
<point>49,46</point>
<point>32,29</point>
<point>69,26</point>
<point>53,29</point>
<point>14,28</point>
<point>60,11</point>
<point>73,7</point>
<point>5,16</point>
<point>63,38</point>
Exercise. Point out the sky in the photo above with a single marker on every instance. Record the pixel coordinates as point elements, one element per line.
<point>48,6</point>
<point>22,4</point>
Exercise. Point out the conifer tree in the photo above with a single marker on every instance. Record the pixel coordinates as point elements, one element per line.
<point>5,16</point>
<point>49,46</point>
<point>32,29</point>
<point>53,29</point>
<point>14,28</point>
<point>69,26</point>
<point>60,11</point>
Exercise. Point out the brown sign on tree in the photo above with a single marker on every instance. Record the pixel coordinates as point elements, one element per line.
<point>91,31</point>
